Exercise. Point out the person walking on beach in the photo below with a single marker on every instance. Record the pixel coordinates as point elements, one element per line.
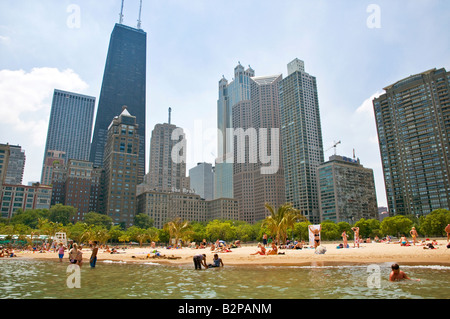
<point>199,261</point>
<point>398,275</point>
<point>413,233</point>
<point>356,241</point>
<point>93,259</point>
<point>265,240</point>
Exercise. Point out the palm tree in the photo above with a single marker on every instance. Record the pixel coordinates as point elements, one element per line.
<point>278,222</point>
<point>177,228</point>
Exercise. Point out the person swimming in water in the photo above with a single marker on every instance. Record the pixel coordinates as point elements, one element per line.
<point>398,275</point>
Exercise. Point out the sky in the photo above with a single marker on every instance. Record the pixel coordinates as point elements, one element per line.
<point>354,48</point>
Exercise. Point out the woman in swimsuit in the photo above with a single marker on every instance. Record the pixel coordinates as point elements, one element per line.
<point>316,233</point>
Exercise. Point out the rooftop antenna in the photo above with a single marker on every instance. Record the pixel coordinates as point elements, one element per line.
<point>139,20</point>
<point>170,111</point>
<point>121,14</point>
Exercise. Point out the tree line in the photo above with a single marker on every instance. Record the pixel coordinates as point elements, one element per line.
<point>281,224</point>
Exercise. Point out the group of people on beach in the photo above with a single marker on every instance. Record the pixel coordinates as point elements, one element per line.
<point>76,254</point>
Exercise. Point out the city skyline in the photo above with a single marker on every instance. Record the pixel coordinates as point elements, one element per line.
<point>47,48</point>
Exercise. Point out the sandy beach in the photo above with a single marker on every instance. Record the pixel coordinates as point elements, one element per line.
<point>366,253</point>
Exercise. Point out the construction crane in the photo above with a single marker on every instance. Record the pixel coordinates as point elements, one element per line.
<point>334,146</point>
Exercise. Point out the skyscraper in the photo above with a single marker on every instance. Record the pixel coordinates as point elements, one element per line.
<point>301,136</point>
<point>201,179</point>
<point>346,190</point>
<point>233,94</point>
<point>121,167</point>
<point>16,165</point>
<point>167,172</point>
<point>70,125</point>
<point>253,187</point>
<point>413,123</point>
<point>124,81</point>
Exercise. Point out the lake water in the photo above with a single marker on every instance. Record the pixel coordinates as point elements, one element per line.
<point>38,279</point>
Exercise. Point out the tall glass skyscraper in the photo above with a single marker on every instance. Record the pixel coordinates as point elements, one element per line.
<point>301,139</point>
<point>230,95</point>
<point>124,81</point>
<point>70,125</point>
<point>413,123</point>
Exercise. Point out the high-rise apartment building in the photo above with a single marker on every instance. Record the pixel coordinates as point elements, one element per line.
<point>167,171</point>
<point>12,164</point>
<point>124,81</point>
<point>346,190</point>
<point>301,139</point>
<point>259,123</point>
<point>121,168</point>
<point>231,95</point>
<point>52,160</point>
<point>15,197</point>
<point>77,183</point>
<point>413,124</point>
<point>201,178</point>
<point>70,126</point>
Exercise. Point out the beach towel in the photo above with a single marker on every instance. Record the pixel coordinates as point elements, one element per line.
<point>311,234</point>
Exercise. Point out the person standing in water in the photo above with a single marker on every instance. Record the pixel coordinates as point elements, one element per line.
<point>93,259</point>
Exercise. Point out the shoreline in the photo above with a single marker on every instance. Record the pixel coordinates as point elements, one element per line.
<point>368,253</point>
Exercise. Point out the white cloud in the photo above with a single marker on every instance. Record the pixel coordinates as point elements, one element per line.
<point>25,103</point>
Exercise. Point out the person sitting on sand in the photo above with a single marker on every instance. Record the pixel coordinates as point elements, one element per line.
<point>398,275</point>
<point>404,241</point>
<point>262,250</point>
<point>273,251</point>
<point>344,237</point>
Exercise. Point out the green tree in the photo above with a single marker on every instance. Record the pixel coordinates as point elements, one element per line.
<point>396,225</point>
<point>29,217</point>
<point>223,230</point>
<point>97,219</point>
<point>177,228</point>
<point>301,230</point>
<point>330,230</point>
<point>435,222</point>
<point>115,232</point>
<point>61,214</point>
<point>279,221</point>
<point>143,221</point>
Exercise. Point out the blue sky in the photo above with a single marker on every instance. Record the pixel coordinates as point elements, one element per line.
<point>191,44</point>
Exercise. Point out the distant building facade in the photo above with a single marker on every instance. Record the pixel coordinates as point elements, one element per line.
<point>346,190</point>
<point>413,124</point>
<point>201,178</point>
<point>15,197</point>
<point>163,207</point>
<point>121,169</point>
<point>301,139</point>
<point>69,127</point>
<point>12,164</point>
<point>167,171</point>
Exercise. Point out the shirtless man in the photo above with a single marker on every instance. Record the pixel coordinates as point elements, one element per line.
<point>447,230</point>
<point>356,231</point>
<point>398,275</point>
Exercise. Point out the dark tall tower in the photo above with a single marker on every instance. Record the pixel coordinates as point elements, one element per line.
<point>123,83</point>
